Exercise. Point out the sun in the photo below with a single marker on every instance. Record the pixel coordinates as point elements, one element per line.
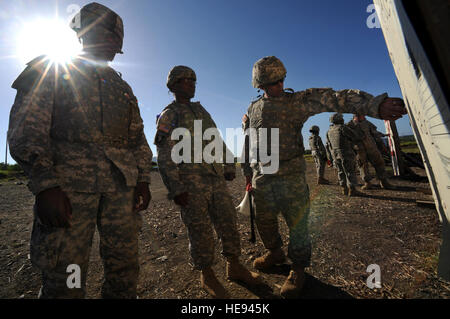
<point>51,37</point>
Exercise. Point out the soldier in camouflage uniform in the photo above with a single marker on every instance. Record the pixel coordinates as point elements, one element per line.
<point>76,131</point>
<point>286,191</point>
<point>319,154</point>
<point>340,141</point>
<point>198,186</point>
<point>368,151</point>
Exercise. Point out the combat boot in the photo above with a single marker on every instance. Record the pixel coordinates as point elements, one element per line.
<point>366,185</point>
<point>211,285</point>
<point>270,259</point>
<point>385,184</point>
<point>237,272</point>
<point>294,283</point>
<point>344,190</point>
<point>322,181</point>
<point>353,192</point>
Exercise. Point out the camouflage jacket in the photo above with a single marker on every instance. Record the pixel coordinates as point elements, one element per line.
<point>291,110</point>
<point>340,140</point>
<point>182,116</point>
<point>368,133</point>
<point>77,126</point>
<point>316,145</point>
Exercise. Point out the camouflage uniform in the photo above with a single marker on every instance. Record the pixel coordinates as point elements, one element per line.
<point>319,154</point>
<point>340,141</point>
<point>209,200</point>
<point>367,149</point>
<point>78,127</point>
<point>286,190</point>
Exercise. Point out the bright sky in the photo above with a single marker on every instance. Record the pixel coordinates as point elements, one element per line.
<point>321,43</point>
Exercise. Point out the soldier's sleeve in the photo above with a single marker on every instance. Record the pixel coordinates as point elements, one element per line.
<point>328,149</point>
<point>374,131</point>
<point>323,152</point>
<point>138,143</point>
<point>245,156</point>
<point>168,169</point>
<point>30,123</point>
<point>318,100</point>
<point>351,134</point>
<point>227,154</point>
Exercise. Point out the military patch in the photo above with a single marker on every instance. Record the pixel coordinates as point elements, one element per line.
<point>245,118</point>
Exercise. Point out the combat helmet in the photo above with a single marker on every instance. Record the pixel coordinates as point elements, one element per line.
<point>314,128</point>
<point>337,118</point>
<point>267,70</point>
<point>179,72</point>
<point>95,16</point>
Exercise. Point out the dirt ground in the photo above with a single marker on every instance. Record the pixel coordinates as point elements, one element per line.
<point>386,228</point>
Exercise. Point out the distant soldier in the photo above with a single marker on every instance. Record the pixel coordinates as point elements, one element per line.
<point>319,154</point>
<point>340,141</point>
<point>76,131</point>
<point>368,151</point>
<point>286,191</point>
<point>199,187</point>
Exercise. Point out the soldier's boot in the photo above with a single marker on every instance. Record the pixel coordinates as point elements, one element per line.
<point>385,184</point>
<point>366,185</point>
<point>293,285</point>
<point>237,272</point>
<point>211,285</point>
<point>344,190</point>
<point>322,181</point>
<point>354,192</point>
<point>269,259</point>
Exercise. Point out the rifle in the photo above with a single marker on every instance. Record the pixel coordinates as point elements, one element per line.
<point>252,218</point>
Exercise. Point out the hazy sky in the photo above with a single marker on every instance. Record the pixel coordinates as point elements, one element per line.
<point>321,43</point>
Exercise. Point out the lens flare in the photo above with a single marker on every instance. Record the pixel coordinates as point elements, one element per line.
<point>51,37</point>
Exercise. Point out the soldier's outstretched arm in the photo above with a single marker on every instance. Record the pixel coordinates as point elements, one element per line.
<point>164,144</point>
<point>29,127</point>
<point>318,100</point>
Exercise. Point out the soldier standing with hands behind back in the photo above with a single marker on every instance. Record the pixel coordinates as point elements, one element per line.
<point>319,154</point>
<point>286,191</point>
<point>76,131</point>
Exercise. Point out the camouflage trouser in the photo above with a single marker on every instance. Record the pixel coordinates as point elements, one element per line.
<point>345,164</point>
<point>320,164</point>
<point>290,196</point>
<point>54,249</point>
<point>372,155</point>
<point>209,205</point>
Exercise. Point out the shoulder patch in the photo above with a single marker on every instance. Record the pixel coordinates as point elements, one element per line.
<point>245,118</point>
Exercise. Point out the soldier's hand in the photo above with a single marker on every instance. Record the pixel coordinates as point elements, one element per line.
<point>229,176</point>
<point>142,197</point>
<point>392,109</point>
<point>248,183</point>
<point>53,208</point>
<point>181,199</point>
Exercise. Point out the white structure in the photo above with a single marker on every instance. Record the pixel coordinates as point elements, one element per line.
<point>419,50</point>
